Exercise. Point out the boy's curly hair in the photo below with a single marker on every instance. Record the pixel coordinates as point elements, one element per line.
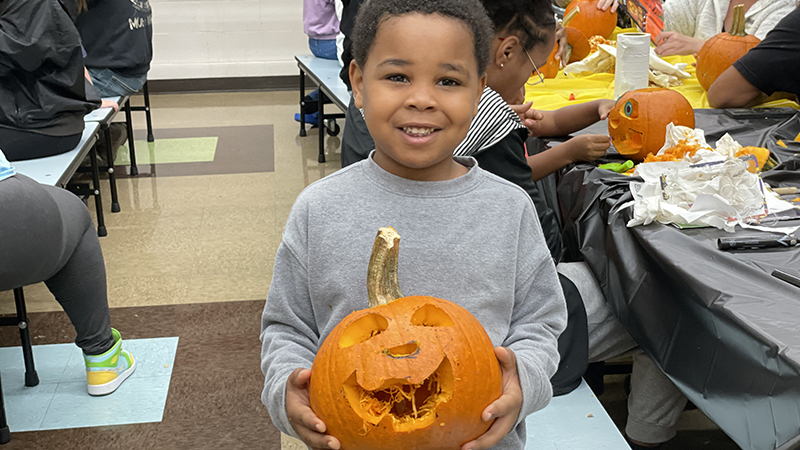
<point>532,21</point>
<point>374,12</point>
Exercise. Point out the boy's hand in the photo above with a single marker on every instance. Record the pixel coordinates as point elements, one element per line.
<point>306,424</point>
<point>506,408</point>
<point>587,147</point>
<point>529,117</point>
<point>604,107</point>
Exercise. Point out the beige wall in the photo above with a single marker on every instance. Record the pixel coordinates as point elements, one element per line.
<point>226,38</point>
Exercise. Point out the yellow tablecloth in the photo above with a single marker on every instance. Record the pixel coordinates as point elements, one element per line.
<point>555,93</point>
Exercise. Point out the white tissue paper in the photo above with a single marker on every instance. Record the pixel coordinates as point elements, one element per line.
<point>632,63</point>
<point>711,187</point>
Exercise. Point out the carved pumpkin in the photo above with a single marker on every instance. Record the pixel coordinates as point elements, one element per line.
<point>590,20</point>
<point>408,372</point>
<point>552,67</point>
<point>721,51</point>
<point>638,122</point>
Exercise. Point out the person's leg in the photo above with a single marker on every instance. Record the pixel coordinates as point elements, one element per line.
<point>110,83</point>
<point>46,234</point>
<point>654,403</point>
<point>323,48</point>
<point>356,140</point>
<point>21,145</point>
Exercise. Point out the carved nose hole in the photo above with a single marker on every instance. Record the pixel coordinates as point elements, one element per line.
<point>403,351</point>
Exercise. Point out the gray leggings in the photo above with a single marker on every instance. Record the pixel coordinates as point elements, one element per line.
<point>46,234</point>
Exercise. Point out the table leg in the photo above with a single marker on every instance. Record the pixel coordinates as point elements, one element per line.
<point>5,434</point>
<point>112,176</point>
<point>302,103</point>
<point>320,123</point>
<point>129,123</point>
<point>98,203</point>
<point>150,137</point>
<point>31,377</point>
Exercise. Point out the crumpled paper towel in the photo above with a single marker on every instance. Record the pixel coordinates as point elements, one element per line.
<point>708,188</point>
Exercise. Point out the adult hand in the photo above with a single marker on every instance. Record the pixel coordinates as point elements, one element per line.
<point>529,117</point>
<point>561,39</point>
<point>604,107</point>
<point>604,4</point>
<point>110,104</point>
<point>306,424</point>
<point>587,147</point>
<point>506,408</point>
<point>673,43</point>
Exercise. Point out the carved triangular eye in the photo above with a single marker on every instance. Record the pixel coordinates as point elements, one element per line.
<point>362,329</point>
<point>431,316</point>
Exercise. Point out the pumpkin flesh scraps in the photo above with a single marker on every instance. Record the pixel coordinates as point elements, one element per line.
<point>676,153</point>
<point>407,406</point>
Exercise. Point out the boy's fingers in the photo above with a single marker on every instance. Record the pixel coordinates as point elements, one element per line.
<point>493,435</point>
<point>317,440</point>
<point>299,378</point>
<point>310,420</point>
<point>503,406</point>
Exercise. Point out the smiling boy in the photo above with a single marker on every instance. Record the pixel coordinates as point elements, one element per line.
<point>468,236</point>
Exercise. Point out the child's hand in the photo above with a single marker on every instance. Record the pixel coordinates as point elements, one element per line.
<point>604,107</point>
<point>506,408</point>
<point>306,424</point>
<point>527,115</point>
<point>604,4</point>
<point>561,38</point>
<point>587,147</point>
<point>674,43</point>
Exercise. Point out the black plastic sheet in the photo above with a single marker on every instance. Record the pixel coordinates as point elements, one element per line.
<point>716,322</point>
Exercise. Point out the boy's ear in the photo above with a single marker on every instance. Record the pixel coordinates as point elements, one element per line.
<point>505,50</point>
<point>356,83</point>
<point>481,86</point>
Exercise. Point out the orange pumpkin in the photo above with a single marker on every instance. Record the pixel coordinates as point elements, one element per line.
<point>408,372</point>
<point>578,43</point>
<point>590,20</point>
<point>552,67</point>
<point>721,51</point>
<point>578,47</point>
<point>638,122</point>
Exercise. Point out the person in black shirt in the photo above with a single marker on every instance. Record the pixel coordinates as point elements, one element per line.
<point>43,94</point>
<point>770,67</point>
<point>118,37</point>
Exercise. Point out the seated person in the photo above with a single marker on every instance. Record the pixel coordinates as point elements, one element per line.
<point>321,26</point>
<point>770,67</point>
<point>418,100</point>
<point>496,140</point>
<point>689,23</point>
<point>43,95</point>
<point>118,37</point>
<point>46,234</point>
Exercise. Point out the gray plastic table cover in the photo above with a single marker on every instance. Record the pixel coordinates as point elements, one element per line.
<point>717,323</point>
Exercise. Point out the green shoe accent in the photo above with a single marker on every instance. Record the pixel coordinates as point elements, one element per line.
<point>105,372</point>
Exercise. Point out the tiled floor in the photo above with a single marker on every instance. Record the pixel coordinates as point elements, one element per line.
<point>191,255</point>
<point>62,387</point>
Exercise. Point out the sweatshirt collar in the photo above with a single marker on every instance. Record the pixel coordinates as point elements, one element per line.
<point>414,188</point>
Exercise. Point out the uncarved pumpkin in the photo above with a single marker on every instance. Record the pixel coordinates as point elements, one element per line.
<point>406,373</point>
<point>590,20</point>
<point>552,67</point>
<point>722,50</point>
<point>638,122</point>
<point>579,44</point>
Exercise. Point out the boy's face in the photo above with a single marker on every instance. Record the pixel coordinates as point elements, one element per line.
<point>420,90</point>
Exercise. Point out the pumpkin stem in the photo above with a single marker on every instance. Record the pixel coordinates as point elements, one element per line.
<point>570,15</point>
<point>737,27</point>
<point>382,286</point>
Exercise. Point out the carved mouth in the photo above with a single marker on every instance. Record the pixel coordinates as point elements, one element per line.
<point>411,406</point>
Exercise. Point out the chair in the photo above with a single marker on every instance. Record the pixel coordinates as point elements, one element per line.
<point>150,137</point>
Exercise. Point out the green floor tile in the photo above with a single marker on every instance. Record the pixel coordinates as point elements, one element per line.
<point>165,151</point>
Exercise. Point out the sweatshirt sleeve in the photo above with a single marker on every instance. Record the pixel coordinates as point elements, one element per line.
<point>538,318</point>
<point>289,335</point>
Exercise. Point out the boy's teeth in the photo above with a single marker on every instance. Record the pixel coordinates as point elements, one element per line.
<point>418,131</point>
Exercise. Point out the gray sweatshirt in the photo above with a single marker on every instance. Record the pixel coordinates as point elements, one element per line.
<point>474,240</point>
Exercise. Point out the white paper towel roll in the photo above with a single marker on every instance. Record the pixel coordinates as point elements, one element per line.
<point>633,62</point>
